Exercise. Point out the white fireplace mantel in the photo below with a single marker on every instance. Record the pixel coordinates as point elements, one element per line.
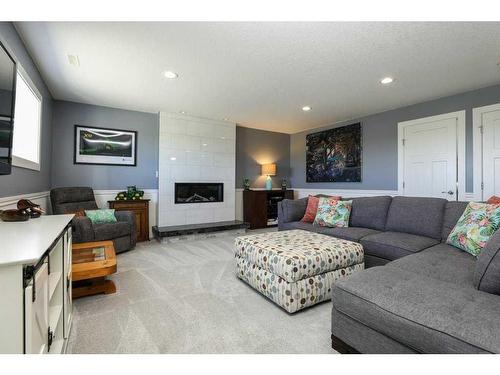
<point>193,149</point>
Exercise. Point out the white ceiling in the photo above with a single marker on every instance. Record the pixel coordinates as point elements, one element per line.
<point>261,74</point>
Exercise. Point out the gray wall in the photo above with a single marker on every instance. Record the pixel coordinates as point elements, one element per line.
<point>24,181</point>
<point>103,177</point>
<point>380,163</point>
<point>255,147</point>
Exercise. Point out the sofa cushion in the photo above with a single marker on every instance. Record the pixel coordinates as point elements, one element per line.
<point>452,212</point>
<point>293,209</point>
<point>487,271</point>
<point>425,314</point>
<point>109,231</point>
<point>394,245</point>
<point>370,212</point>
<point>420,216</point>
<point>349,233</point>
<point>305,226</point>
<point>442,262</point>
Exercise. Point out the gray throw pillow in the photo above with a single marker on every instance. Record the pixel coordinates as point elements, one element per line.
<point>487,273</point>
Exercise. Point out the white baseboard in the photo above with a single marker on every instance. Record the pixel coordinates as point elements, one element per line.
<point>103,196</point>
<point>42,198</point>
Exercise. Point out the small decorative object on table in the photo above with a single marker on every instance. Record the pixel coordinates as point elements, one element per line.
<point>283,184</point>
<point>246,183</point>
<point>25,209</point>
<point>131,194</point>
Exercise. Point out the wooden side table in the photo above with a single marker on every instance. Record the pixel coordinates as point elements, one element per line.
<point>141,210</point>
<point>91,263</point>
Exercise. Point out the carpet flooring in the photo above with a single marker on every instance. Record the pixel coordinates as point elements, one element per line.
<point>185,298</point>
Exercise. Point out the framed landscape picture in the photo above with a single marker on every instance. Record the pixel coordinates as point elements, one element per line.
<point>334,155</point>
<point>105,146</point>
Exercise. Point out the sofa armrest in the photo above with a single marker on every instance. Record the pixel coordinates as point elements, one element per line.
<point>128,217</point>
<point>82,229</point>
<point>291,210</point>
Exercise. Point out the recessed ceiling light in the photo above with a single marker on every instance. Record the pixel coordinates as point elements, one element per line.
<point>204,144</point>
<point>182,112</point>
<point>74,60</point>
<point>173,158</point>
<point>386,80</point>
<point>306,108</point>
<point>225,119</point>
<point>170,75</point>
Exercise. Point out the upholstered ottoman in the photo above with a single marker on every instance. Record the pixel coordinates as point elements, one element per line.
<point>295,268</point>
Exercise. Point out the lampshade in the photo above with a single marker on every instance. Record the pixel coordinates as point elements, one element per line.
<point>269,169</point>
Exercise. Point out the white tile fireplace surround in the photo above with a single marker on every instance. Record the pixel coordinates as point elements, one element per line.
<point>198,150</point>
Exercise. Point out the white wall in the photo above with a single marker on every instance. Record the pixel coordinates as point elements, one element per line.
<point>193,149</point>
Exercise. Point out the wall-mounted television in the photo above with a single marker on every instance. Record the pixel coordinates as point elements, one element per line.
<point>7,102</point>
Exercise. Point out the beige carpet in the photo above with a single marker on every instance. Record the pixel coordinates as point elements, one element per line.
<point>185,298</point>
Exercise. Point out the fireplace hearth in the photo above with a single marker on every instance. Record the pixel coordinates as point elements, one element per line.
<point>199,192</point>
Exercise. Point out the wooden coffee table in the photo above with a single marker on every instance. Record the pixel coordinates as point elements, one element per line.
<point>92,262</point>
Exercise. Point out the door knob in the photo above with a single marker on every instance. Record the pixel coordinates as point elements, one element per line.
<point>450,192</point>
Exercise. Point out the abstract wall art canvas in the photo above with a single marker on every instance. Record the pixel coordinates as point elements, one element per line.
<point>105,146</point>
<point>334,155</point>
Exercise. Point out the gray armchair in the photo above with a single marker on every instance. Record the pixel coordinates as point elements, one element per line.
<point>69,200</point>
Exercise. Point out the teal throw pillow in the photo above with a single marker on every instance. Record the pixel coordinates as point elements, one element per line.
<point>101,216</point>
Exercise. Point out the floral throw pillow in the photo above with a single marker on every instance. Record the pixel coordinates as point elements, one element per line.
<point>333,213</point>
<point>101,216</point>
<point>475,227</point>
<point>312,207</point>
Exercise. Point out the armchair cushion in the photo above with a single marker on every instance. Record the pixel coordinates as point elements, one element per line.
<point>109,231</point>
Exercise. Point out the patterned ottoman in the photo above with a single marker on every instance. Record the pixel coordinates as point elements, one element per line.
<point>295,268</point>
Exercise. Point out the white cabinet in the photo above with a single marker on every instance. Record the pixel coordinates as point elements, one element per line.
<point>68,300</point>
<point>37,319</point>
<point>36,297</point>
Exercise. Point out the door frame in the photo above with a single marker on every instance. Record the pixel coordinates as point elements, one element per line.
<point>477,141</point>
<point>460,116</point>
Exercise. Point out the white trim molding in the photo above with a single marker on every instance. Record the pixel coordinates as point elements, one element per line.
<point>461,166</point>
<point>477,140</point>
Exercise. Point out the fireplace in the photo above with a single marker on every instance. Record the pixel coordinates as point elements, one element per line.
<point>198,192</point>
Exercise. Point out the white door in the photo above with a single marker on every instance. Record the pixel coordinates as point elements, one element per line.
<point>37,312</point>
<point>491,154</point>
<point>429,156</point>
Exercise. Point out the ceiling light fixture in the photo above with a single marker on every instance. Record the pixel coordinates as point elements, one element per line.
<point>306,108</point>
<point>170,75</point>
<point>173,158</point>
<point>386,80</point>
<point>182,112</point>
<point>74,60</point>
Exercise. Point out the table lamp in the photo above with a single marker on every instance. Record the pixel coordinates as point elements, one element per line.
<point>269,170</point>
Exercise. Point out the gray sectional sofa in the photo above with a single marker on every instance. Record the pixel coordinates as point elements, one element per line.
<point>429,297</point>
